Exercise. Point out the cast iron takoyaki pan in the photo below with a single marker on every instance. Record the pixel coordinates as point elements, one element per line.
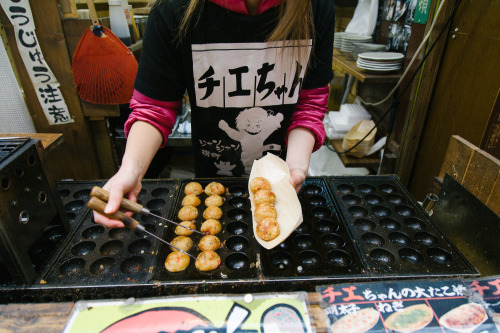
<point>393,233</point>
<point>320,246</point>
<point>96,254</point>
<point>238,247</point>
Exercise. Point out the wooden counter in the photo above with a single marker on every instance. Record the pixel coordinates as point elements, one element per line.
<point>350,162</point>
<point>49,140</point>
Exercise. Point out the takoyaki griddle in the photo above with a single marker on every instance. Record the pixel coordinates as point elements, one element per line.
<point>392,231</point>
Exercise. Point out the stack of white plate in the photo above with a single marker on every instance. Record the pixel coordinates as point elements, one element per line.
<point>350,38</point>
<point>337,40</point>
<point>380,62</point>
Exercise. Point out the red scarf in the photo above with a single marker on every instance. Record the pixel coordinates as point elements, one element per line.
<point>239,6</point>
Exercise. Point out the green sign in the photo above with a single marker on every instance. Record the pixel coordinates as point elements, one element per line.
<point>422,11</point>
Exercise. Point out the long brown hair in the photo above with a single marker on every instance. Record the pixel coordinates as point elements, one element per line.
<point>295,20</point>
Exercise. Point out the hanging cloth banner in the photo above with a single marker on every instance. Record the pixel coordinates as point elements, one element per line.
<point>46,85</point>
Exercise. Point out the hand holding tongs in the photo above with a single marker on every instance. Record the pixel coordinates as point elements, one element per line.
<point>98,205</point>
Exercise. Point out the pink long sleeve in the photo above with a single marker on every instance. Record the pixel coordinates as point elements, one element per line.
<point>160,114</point>
<point>310,111</point>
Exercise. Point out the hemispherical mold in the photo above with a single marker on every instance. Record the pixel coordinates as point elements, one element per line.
<point>345,188</point>
<point>381,211</point>
<point>357,211</point>
<point>426,238</point>
<point>439,255</point>
<point>102,266</point>
<point>160,192</point>
<point>339,258</point>
<point>156,203</point>
<point>388,188</point>
<point>311,189</point>
<point>82,194</point>
<point>237,191</point>
<point>366,188</point>
<point>321,212</point>
<point>373,199</point>
<point>309,259</point>
<point>390,224</point>
<point>317,200</point>
<point>112,247</point>
<point>150,218</point>
<point>382,256</point>
<point>351,199</point>
<point>54,233</point>
<point>411,255</point>
<point>332,241</point>
<point>405,210</point>
<point>139,246</point>
<point>72,266</point>
<point>63,193</point>
<point>281,260</point>
<point>93,232</point>
<point>237,202</point>
<point>285,245</point>
<point>237,261</point>
<point>237,243</point>
<point>305,242</point>
<point>71,216</point>
<point>132,265</point>
<point>365,225</point>
<point>74,205</point>
<point>237,227</point>
<point>372,238</point>
<point>327,226</point>
<point>119,233</point>
<point>83,248</point>
<point>237,214</point>
<point>395,198</point>
<point>414,223</point>
<point>399,238</point>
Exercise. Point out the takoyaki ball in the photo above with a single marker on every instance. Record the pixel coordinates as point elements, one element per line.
<point>187,213</point>
<point>193,188</point>
<point>207,261</point>
<point>177,261</point>
<point>181,242</point>
<point>259,183</point>
<point>212,213</point>
<point>263,211</point>
<point>211,227</point>
<point>214,188</point>
<point>264,196</point>
<point>268,229</point>
<point>209,242</point>
<point>191,200</point>
<point>214,200</point>
<point>183,231</point>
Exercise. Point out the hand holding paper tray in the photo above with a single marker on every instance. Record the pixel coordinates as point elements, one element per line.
<point>287,203</point>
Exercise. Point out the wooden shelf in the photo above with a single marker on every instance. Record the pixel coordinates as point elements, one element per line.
<point>349,161</point>
<point>349,66</point>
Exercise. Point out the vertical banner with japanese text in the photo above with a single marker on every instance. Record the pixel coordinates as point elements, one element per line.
<point>46,85</point>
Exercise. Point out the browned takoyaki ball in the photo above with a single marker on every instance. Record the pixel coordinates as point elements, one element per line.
<point>209,242</point>
<point>193,188</point>
<point>177,261</point>
<point>268,229</point>
<point>264,196</point>
<point>187,213</point>
<point>181,242</point>
<point>214,200</point>
<point>259,183</point>
<point>191,200</point>
<point>211,227</point>
<point>214,188</point>
<point>207,261</point>
<point>183,231</point>
<point>263,211</point>
<point>212,213</point>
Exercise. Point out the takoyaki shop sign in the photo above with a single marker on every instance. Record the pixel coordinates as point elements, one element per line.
<point>257,313</point>
<point>409,306</point>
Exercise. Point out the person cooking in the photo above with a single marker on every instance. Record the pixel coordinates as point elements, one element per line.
<point>256,73</point>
